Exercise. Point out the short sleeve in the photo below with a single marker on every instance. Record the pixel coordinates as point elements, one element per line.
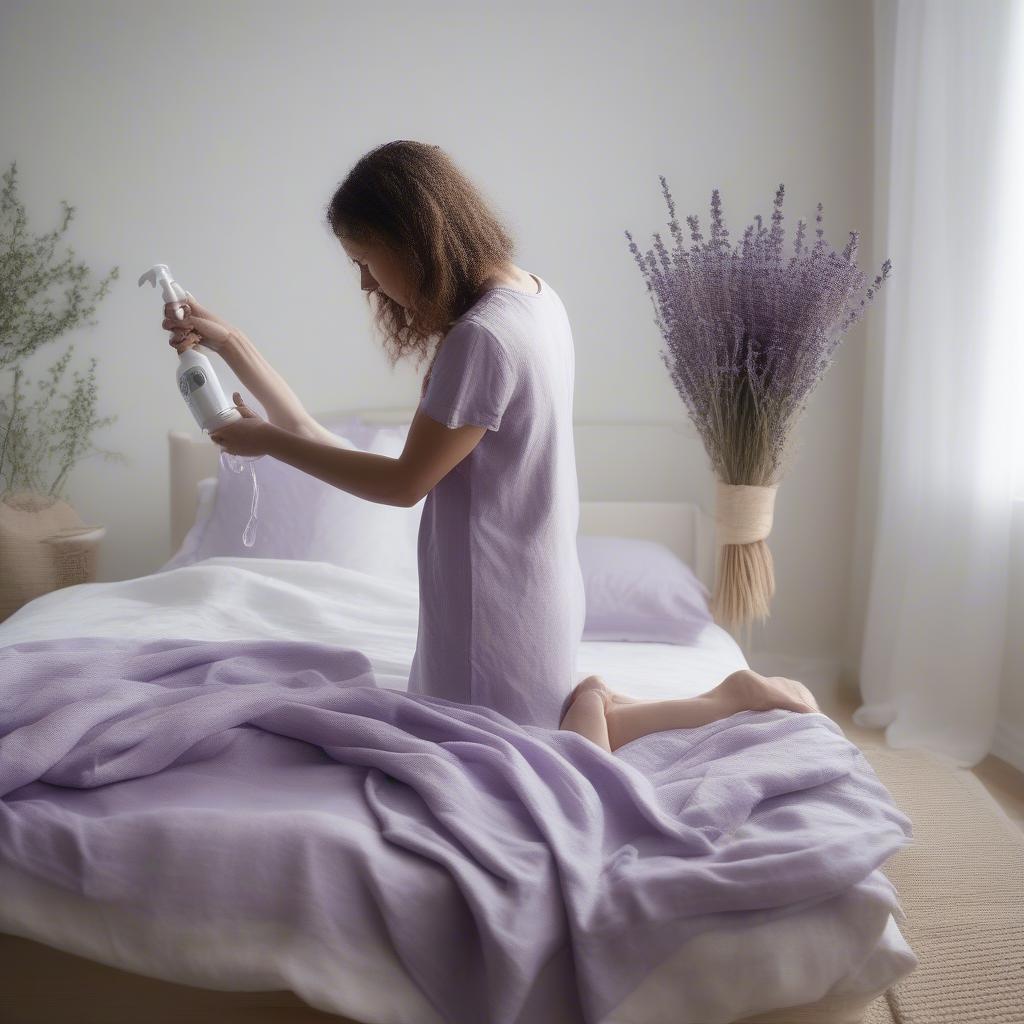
<point>471,380</point>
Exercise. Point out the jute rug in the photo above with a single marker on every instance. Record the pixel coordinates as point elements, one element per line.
<point>961,885</point>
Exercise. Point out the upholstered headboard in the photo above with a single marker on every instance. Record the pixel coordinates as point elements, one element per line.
<point>636,480</point>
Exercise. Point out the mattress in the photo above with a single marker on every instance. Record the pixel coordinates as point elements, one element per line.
<point>846,949</point>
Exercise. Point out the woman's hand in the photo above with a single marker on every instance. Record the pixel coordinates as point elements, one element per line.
<point>248,436</point>
<point>199,327</point>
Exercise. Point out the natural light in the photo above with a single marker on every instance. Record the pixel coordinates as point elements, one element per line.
<point>1011,184</point>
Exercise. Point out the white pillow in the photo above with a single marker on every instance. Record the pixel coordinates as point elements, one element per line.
<point>299,516</point>
<point>185,555</point>
<point>635,589</point>
<point>377,539</point>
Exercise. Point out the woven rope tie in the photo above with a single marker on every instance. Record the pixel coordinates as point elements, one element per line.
<point>743,513</point>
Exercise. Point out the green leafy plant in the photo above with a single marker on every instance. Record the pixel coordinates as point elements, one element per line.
<point>41,440</point>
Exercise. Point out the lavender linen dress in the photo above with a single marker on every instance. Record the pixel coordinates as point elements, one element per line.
<point>501,591</point>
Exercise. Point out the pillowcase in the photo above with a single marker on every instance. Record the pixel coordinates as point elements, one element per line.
<point>640,590</point>
<point>365,435</point>
<point>299,516</point>
<point>635,589</point>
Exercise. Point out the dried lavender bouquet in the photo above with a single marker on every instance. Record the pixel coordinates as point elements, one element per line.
<point>748,337</point>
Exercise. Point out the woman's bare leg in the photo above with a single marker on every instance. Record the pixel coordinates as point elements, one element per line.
<point>614,697</point>
<point>740,691</point>
<point>592,710</point>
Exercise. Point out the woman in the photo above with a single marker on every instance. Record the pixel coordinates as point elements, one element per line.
<point>490,447</point>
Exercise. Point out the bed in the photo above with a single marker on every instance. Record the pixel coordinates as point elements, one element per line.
<point>69,958</point>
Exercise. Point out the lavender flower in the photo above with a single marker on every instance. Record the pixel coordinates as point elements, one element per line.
<point>748,333</point>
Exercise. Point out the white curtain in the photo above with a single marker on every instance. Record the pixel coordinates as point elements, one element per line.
<point>950,342</point>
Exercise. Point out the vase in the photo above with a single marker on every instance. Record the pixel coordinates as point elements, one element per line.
<point>44,545</point>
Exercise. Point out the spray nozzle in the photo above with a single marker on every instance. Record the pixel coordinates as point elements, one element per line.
<point>160,274</point>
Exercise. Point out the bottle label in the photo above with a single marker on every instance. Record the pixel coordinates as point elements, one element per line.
<point>191,380</point>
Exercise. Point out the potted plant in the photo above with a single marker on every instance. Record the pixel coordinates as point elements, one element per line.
<point>44,544</point>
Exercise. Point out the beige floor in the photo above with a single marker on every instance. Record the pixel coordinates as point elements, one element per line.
<point>1002,780</point>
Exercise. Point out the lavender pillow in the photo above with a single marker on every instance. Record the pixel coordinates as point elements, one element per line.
<point>639,590</point>
<point>299,516</point>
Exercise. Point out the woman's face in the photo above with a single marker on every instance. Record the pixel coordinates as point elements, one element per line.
<point>379,268</point>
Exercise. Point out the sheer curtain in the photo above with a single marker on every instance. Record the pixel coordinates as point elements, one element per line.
<point>949,345</point>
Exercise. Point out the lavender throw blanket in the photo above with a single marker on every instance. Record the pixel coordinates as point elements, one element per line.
<point>521,874</point>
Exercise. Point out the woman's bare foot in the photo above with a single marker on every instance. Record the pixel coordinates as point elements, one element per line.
<point>751,691</point>
<point>801,691</point>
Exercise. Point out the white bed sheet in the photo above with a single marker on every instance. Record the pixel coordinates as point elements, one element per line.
<point>849,948</point>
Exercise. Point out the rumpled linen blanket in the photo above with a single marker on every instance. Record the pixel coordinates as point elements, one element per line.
<point>486,853</point>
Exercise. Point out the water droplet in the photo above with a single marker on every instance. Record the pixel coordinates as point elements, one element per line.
<point>238,464</point>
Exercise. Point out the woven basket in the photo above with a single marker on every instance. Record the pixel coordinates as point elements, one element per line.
<point>44,545</point>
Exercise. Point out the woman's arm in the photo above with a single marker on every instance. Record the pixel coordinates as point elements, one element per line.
<point>431,452</point>
<point>269,388</point>
<point>378,478</point>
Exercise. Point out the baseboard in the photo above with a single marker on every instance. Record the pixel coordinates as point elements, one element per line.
<point>1009,744</point>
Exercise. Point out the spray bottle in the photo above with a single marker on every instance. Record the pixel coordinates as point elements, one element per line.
<point>201,390</point>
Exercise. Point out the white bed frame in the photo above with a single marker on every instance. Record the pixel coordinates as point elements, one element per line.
<point>671,458</point>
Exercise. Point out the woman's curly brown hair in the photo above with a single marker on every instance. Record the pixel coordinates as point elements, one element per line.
<point>411,197</point>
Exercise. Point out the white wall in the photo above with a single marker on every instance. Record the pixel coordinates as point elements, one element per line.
<point>210,137</point>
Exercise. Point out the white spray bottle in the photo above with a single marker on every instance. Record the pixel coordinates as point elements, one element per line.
<point>197,380</point>
<point>201,389</point>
